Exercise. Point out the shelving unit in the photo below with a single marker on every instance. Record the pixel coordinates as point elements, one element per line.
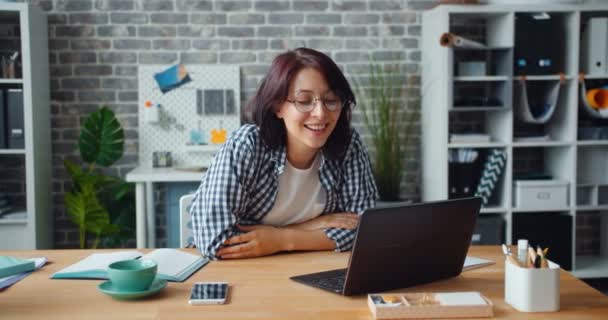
<point>26,171</point>
<point>457,103</point>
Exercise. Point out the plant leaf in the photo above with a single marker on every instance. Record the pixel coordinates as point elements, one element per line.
<point>102,138</point>
<point>383,106</point>
<point>86,212</point>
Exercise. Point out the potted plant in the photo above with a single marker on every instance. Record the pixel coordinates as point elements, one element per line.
<point>383,103</point>
<point>100,204</point>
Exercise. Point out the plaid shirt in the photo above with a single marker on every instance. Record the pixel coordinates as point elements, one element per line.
<point>242,182</point>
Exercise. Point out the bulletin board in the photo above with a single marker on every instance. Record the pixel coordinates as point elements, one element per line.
<point>175,121</point>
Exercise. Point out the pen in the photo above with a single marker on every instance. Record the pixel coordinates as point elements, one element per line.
<point>507,252</point>
<point>542,255</point>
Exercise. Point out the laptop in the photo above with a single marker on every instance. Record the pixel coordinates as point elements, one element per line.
<point>403,246</point>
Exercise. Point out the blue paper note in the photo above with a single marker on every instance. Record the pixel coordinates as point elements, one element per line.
<point>172,78</point>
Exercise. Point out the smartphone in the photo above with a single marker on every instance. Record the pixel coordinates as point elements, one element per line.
<point>209,293</point>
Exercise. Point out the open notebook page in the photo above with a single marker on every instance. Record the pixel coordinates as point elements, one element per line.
<point>100,261</point>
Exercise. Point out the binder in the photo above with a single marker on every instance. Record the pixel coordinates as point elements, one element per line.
<point>595,46</point>
<point>14,108</point>
<point>2,121</point>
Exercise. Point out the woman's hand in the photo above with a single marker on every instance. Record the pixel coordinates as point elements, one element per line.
<point>333,220</point>
<point>259,240</point>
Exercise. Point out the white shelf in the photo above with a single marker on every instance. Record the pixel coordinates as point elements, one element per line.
<point>543,78</point>
<point>601,207</point>
<point>487,48</point>
<point>592,142</point>
<point>481,78</point>
<point>541,144</point>
<point>12,151</point>
<point>11,81</point>
<point>35,231</point>
<point>596,76</point>
<point>562,157</point>
<point>562,209</point>
<point>473,108</point>
<point>208,148</point>
<point>13,221</point>
<point>477,145</point>
<point>146,174</point>
<point>591,267</point>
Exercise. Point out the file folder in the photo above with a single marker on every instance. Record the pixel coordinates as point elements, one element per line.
<point>14,108</point>
<point>595,46</point>
<point>2,121</point>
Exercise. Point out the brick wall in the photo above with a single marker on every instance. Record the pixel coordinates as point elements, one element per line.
<point>95,47</point>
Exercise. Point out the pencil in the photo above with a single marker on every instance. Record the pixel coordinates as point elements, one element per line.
<point>531,257</point>
<point>513,261</point>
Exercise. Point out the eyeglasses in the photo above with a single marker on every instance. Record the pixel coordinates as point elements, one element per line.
<point>305,101</point>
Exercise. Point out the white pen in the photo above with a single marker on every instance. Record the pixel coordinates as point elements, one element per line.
<point>507,251</point>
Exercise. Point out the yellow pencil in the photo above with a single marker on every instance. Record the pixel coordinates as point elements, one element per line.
<point>531,257</point>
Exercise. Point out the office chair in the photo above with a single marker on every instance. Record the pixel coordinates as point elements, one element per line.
<point>186,239</point>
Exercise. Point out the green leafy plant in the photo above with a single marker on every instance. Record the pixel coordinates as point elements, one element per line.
<point>100,204</point>
<point>383,103</point>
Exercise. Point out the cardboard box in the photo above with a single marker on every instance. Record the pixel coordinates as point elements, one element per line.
<point>540,194</point>
<point>430,305</point>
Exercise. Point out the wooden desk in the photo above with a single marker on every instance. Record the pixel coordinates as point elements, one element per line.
<point>261,289</point>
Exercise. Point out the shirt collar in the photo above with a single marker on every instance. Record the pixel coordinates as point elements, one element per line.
<point>279,156</point>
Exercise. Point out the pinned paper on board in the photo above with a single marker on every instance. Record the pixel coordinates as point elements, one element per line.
<point>172,78</point>
<point>218,136</point>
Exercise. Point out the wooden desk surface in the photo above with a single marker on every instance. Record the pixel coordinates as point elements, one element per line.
<point>261,289</point>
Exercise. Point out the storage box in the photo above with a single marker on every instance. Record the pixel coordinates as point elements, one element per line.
<point>531,289</point>
<point>540,194</point>
<point>430,305</point>
<point>471,68</point>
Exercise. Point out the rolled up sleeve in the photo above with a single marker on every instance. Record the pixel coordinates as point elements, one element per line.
<point>221,197</point>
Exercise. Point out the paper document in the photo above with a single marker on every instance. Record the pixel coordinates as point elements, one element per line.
<point>474,263</point>
<point>460,299</point>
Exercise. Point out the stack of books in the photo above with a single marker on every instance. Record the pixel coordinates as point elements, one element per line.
<point>13,269</point>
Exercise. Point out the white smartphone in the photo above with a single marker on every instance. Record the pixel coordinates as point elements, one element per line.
<point>209,293</point>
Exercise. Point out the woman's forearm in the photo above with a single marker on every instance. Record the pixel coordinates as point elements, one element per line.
<point>300,240</point>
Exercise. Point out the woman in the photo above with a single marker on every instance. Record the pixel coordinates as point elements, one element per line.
<point>297,178</point>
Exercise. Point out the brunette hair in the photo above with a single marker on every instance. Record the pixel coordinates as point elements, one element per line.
<point>273,91</point>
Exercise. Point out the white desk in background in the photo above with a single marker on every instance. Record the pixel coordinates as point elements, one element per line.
<point>144,179</point>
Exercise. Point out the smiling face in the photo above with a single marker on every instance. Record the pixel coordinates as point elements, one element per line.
<point>307,132</point>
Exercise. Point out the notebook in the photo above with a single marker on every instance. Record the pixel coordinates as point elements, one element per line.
<point>173,265</point>
<point>6,282</point>
<point>471,263</point>
<point>10,266</point>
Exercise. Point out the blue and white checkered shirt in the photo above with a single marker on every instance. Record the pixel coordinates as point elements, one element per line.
<point>241,186</point>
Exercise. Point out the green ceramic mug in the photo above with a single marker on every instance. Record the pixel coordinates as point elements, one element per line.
<point>132,275</point>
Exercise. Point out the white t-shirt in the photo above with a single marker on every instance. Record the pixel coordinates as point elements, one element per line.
<point>300,197</point>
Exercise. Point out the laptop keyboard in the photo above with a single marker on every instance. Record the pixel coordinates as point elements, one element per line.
<point>334,283</point>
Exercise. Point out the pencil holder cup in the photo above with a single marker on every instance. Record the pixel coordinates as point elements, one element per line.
<point>532,290</point>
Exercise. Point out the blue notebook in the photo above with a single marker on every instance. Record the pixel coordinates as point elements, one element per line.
<point>173,264</point>
<point>10,266</point>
